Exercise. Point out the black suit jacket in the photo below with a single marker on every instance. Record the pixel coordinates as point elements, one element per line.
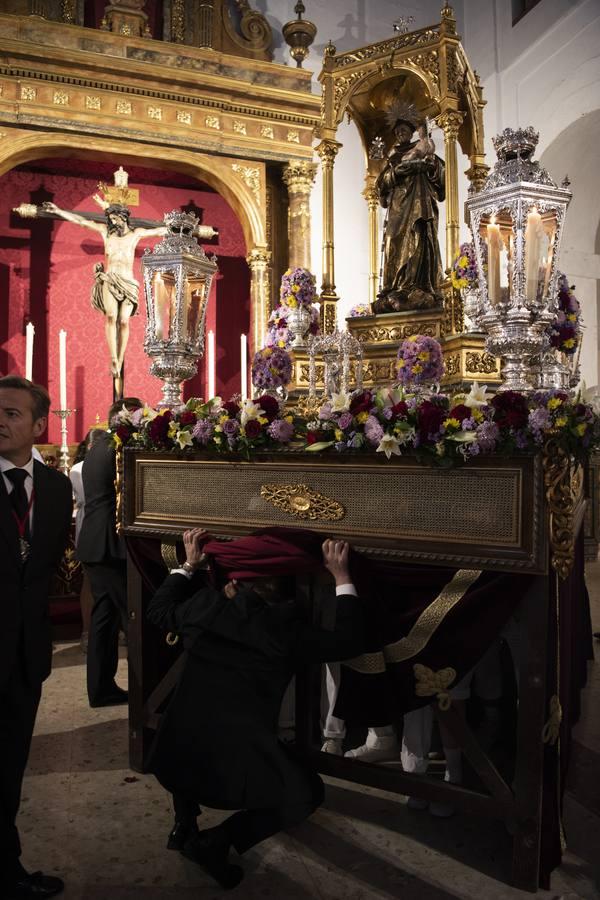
<point>24,587</point>
<point>218,739</point>
<point>98,539</point>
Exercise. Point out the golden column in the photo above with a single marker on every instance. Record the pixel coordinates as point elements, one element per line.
<point>371,195</point>
<point>259,260</point>
<point>299,178</point>
<point>328,150</point>
<point>450,122</point>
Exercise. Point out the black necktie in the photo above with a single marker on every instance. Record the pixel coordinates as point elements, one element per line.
<point>19,500</point>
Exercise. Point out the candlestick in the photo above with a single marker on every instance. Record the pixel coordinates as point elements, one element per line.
<point>64,443</point>
<point>494,242</point>
<point>532,253</point>
<point>210,360</point>
<point>29,333</point>
<point>62,348</point>
<point>243,366</point>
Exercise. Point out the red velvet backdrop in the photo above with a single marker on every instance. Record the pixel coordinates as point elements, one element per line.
<point>46,277</point>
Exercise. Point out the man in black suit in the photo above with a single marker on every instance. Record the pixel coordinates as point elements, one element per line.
<point>35,518</point>
<point>217,744</point>
<point>103,555</point>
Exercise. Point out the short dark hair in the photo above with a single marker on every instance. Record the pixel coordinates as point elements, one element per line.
<point>129,403</point>
<point>39,395</point>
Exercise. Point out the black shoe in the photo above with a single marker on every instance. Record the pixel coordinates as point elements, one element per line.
<point>116,698</point>
<point>36,885</point>
<point>181,831</point>
<point>210,849</point>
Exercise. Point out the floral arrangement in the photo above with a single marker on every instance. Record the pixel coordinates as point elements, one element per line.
<point>359,310</point>
<point>447,430</point>
<point>419,360</point>
<point>278,333</point>
<point>271,368</point>
<point>297,288</point>
<point>235,426</point>
<point>463,273</point>
<point>565,331</point>
<point>439,430</point>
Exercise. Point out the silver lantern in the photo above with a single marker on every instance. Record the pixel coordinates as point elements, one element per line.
<point>177,277</point>
<point>519,216</point>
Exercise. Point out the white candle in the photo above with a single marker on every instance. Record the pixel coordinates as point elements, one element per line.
<point>211,364</point>
<point>29,333</point>
<point>494,242</point>
<point>532,253</point>
<point>62,346</point>
<point>243,366</point>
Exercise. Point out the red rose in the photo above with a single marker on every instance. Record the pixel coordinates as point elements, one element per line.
<point>399,411</point>
<point>312,437</point>
<point>429,418</point>
<point>123,432</point>
<point>187,417</point>
<point>231,408</point>
<point>269,406</point>
<point>253,428</point>
<point>460,412</point>
<point>510,409</point>
<point>361,403</point>
<point>158,428</point>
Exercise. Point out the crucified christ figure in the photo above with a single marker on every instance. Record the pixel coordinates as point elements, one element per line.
<point>115,290</point>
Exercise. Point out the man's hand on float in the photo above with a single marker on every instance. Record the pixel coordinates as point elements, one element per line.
<point>230,589</point>
<point>193,541</point>
<point>335,560</point>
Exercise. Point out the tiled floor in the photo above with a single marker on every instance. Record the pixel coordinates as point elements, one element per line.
<point>87,817</point>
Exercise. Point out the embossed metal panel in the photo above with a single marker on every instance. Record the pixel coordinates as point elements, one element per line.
<point>487,515</point>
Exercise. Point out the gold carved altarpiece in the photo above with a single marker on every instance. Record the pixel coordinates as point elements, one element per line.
<point>239,123</point>
<point>427,68</point>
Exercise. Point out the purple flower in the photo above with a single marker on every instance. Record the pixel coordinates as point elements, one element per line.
<point>521,439</point>
<point>419,360</point>
<point>487,436</point>
<point>136,417</point>
<point>230,427</point>
<point>281,430</point>
<point>373,431</point>
<point>325,412</point>
<point>340,446</point>
<point>345,420</point>
<point>540,420</point>
<point>203,431</point>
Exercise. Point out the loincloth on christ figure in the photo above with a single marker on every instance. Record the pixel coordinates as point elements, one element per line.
<point>122,289</point>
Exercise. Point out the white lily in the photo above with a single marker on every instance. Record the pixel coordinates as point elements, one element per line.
<point>405,435</point>
<point>183,438</point>
<point>476,396</point>
<point>388,445</point>
<point>340,402</point>
<point>250,410</point>
<point>390,396</point>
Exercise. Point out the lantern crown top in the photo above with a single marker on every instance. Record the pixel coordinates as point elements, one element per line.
<point>179,222</point>
<point>516,143</point>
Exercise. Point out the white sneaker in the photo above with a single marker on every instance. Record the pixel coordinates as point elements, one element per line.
<point>417,803</point>
<point>333,746</point>
<point>385,748</point>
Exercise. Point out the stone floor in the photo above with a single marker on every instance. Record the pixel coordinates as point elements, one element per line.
<point>87,817</point>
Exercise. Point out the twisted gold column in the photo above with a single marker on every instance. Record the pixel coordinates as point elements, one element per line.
<point>372,197</point>
<point>259,260</point>
<point>450,122</point>
<point>328,150</point>
<point>299,178</point>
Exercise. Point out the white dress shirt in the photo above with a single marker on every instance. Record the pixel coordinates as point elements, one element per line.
<point>5,465</point>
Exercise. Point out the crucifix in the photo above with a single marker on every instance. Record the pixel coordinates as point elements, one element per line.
<point>115,291</point>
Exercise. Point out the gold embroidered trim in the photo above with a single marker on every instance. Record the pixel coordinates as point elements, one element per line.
<point>419,635</point>
<point>169,556</point>
<point>430,683</point>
